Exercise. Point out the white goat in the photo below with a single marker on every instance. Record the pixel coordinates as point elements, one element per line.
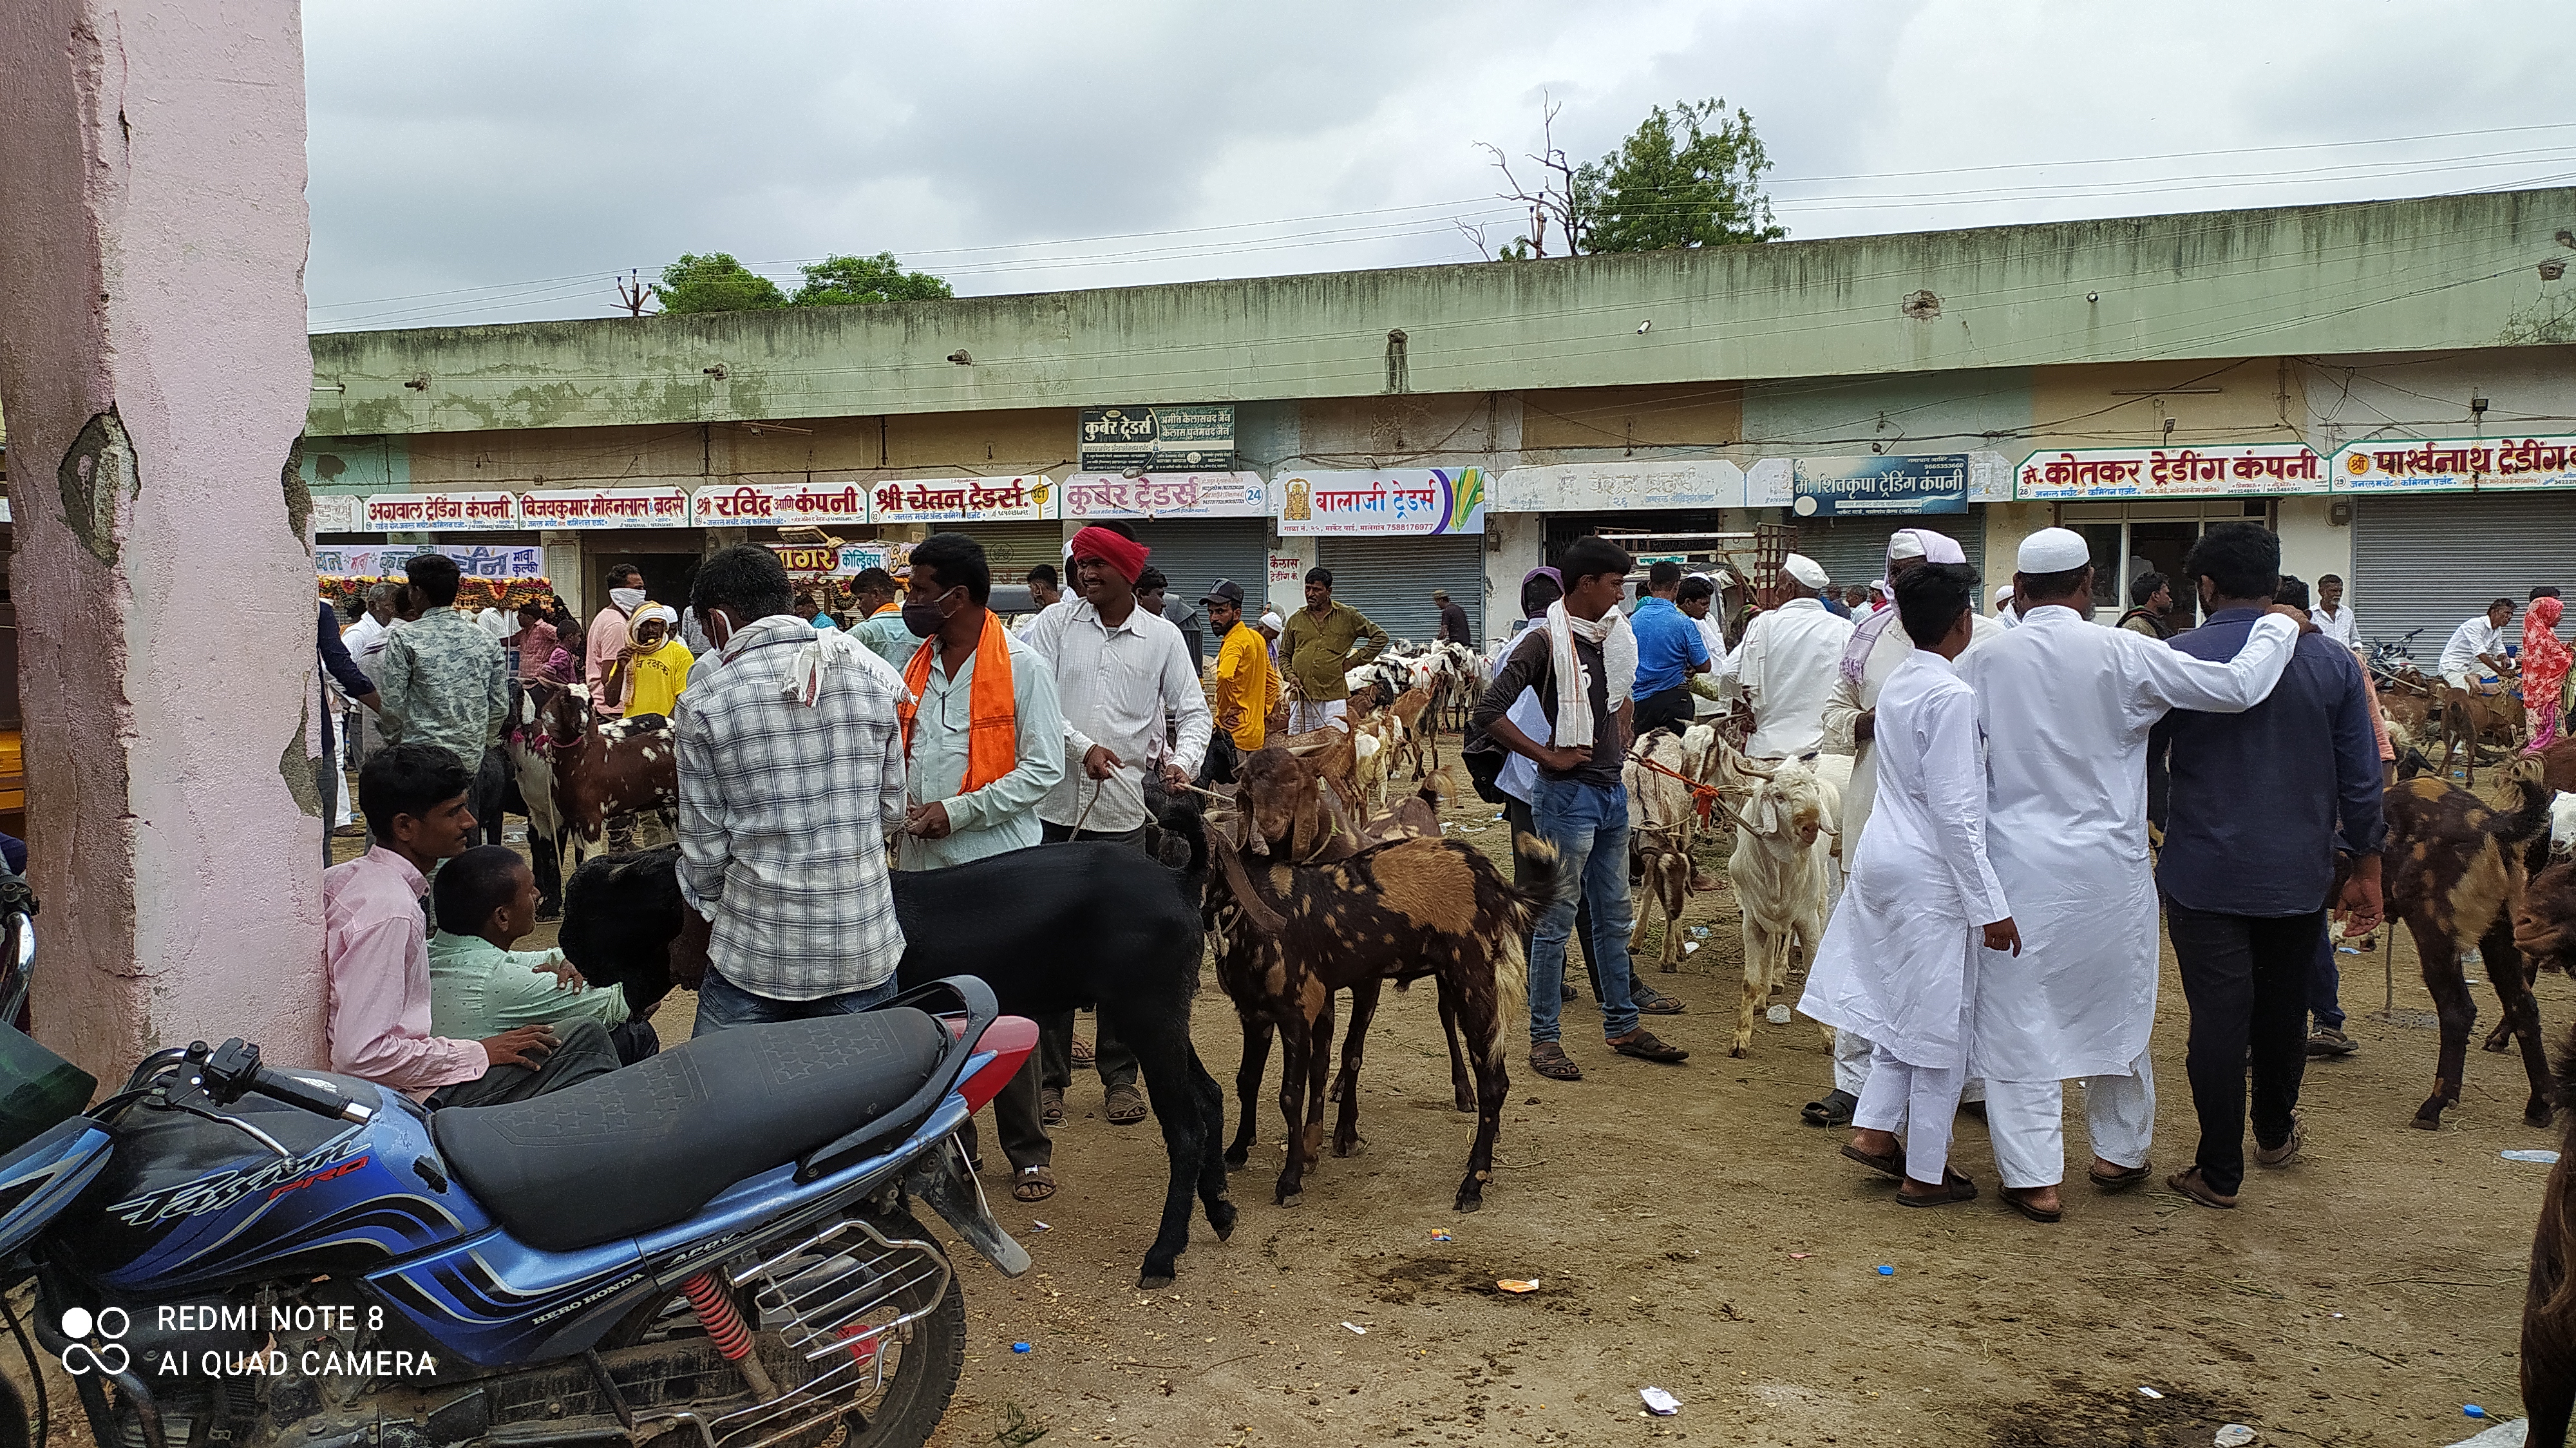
<point>1663,816</point>
<point>1781,867</point>
<point>2562,826</point>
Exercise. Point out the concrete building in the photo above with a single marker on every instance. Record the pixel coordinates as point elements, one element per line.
<point>2389,384</point>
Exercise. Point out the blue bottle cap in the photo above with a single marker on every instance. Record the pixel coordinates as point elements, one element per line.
<point>1019,1347</point>
<point>1885,1271</point>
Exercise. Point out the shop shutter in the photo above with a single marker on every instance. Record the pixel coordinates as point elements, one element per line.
<point>1390,580</point>
<point>1012,549</point>
<point>2430,563</point>
<point>1195,552</point>
<point>1854,550</point>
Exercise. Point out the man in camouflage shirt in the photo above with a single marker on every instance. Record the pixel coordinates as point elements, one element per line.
<point>443,679</point>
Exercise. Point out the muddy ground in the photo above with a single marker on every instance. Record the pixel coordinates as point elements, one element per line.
<point>1688,1233</point>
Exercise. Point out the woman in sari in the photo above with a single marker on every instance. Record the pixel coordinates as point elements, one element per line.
<point>2544,672</point>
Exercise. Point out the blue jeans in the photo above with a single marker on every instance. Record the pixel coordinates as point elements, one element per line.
<point>2325,987</point>
<point>1588,824</point>
<point>722,1005</point>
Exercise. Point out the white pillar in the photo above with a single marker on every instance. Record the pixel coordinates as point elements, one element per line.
<point>154,370</point>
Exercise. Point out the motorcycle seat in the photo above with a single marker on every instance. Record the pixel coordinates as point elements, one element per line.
<point>646,1146</point>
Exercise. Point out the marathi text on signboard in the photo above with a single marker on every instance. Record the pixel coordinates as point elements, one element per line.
<point>1031,499</point>
<point>2255,469</point>
<point>1166,495</point>
<point>1156,439</point>
<point>606,508</point>
<point>1879,485</point>
<point>1286,568</point>
<point>1606,487</point>
<point>432,512</point>
<point>386,560</point>
<point>1388,502</point>
<point>754,504</point>
<point>2438,464</point>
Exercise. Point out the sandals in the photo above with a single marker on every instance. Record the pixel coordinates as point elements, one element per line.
<point>1081,1052</point>
<point>2021,1204</point>
<point>1652,1002</point>
<point>1890,1165</point>
<point>2287,1152</point>
<point>1126,1106</point>
<point>2120,1181</point>
<point>1957,1189</point>
<point>1548,1059</point>
<point>1834,1110</point>
<point>1641,1043</point>
<point>1033,1184</point>
<point>2190,1183</point>
<point>1051,1106</point>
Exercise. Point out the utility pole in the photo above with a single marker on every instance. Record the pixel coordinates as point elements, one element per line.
<point>631,292</point>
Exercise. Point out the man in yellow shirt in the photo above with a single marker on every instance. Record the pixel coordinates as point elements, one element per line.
<point>654,668</point>
<point>1247,687</point>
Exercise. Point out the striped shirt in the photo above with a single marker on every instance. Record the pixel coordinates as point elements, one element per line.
<point>784,810</point>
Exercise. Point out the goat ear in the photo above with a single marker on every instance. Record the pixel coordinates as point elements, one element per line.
<point>1307,836</point>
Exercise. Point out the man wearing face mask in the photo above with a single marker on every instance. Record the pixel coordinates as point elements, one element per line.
<point>607,634</point>
<point>985,744</point>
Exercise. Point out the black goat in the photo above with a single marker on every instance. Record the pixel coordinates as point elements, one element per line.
<point>1050,929</point>
<point>494,797</point>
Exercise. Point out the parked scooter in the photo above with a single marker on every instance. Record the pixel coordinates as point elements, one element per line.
<point>713,1248</point>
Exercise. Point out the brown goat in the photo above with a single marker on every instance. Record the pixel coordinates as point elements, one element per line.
<point>1291,934</point>
<point>2549,1301</point>
<point>2455,874</point>
<point>2469,718</point>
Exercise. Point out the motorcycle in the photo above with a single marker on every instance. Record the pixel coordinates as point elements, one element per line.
<point>713,1247</point>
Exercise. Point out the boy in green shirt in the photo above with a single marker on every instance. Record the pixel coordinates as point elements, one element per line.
<point>486,901</point>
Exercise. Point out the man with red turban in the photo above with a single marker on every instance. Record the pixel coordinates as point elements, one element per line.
<point>1120,672</point>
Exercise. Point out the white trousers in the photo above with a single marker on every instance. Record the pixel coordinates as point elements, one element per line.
<point>1303,716</point>
<point>2027,1122</point>
<point>1918,1103</point>
<point>1852,1062</point>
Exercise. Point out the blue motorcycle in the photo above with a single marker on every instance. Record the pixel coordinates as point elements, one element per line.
<point>713,1248</point>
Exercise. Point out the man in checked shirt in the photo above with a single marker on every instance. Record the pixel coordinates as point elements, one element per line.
<point>791,773</point>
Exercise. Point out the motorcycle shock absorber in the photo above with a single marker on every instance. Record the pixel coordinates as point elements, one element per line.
<point>726,1329</point>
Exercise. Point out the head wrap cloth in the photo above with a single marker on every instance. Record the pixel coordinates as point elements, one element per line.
<point>1123,554</point>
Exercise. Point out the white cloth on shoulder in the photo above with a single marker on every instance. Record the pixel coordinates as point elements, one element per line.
<point>1618,644</point>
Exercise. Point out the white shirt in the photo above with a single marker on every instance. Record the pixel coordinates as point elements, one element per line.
<point>1115,685</point>
<point>2334,623</point>
<point>1899,961</point>
<point>365,641</point>
<point>1787,663</point>
<point>2066,706</point>
<point>2470,639</point>
<point>1849,701</point>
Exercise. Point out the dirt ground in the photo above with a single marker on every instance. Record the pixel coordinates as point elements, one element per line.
<point>1688,1232</point>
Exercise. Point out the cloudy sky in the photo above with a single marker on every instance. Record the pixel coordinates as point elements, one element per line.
<point>492,160</point>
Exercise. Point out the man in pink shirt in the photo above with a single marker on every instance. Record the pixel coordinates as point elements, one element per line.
<point>376,953</point>
<point>607,633</point>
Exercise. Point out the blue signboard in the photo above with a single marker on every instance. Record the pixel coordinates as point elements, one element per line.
<point>1859,486</point>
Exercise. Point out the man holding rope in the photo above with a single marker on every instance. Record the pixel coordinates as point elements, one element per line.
<point>1118,671</point>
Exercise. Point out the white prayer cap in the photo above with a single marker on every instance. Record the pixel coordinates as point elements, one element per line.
<point>1903,544</point>
<point>1806,570</point>
<point>2003,595</point>
<point>2054,550</point>
<point>1271,620</point>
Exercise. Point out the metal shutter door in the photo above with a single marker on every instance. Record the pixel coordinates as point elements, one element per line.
<point>2432,562</point>
<point>1854,550</point>
<point>1390,580</point>
<point>1014,548</point>
<point>1195,552</point>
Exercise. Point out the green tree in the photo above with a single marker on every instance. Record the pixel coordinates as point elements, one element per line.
<point>851,281</point>
<point>1690,176</point>
<point>715,283</point>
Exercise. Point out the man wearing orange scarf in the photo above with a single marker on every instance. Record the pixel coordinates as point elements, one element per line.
<point>983,744</point>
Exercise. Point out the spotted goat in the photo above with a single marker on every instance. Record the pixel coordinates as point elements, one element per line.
<point>588,771</point>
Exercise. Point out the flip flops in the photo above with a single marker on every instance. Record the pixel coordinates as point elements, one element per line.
<point>1033,1184</point>
<point>2190,1183</point>
<point>2021,1204</point>
<point>1957,1189</point>
<point>1643,1045</point>
<point>1834,1110</point>
<point>1890,1165</point>
<point>2120,1181</point>
<point>1548,1059</point>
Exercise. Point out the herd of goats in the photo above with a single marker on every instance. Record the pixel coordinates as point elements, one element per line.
<point>1311,874</point>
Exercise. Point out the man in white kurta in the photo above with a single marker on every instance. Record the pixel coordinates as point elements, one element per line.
<point>1786,663</point>
<point>1898,965</point>
<point>1878,647</point>
<point>2066,706</point>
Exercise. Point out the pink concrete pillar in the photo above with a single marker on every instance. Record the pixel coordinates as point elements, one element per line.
<point>155,375</point>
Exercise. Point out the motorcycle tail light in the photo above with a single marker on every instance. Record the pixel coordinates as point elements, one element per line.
<point>1010,1039</point>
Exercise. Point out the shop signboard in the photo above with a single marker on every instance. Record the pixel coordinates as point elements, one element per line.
<point>807,557</point>
<point>2446,464</point>
<point>567,508</point>
<point>436,512</point>
<point>332,513</point>
<point>1879,485</point>
<point>1387,502</point>
<point>1156,439</point>
<point>1772,482</point>
<point>385,560</point>
<point>751,505</point>
<point>858,558</point>
<point>2254,470</point>
<point>1615,486</point>
<point>1166,495</point>
<point>1031,499</point>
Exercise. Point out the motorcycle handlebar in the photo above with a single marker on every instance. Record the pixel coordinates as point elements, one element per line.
<point>234,1067</point>
<point>318,1099</point>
